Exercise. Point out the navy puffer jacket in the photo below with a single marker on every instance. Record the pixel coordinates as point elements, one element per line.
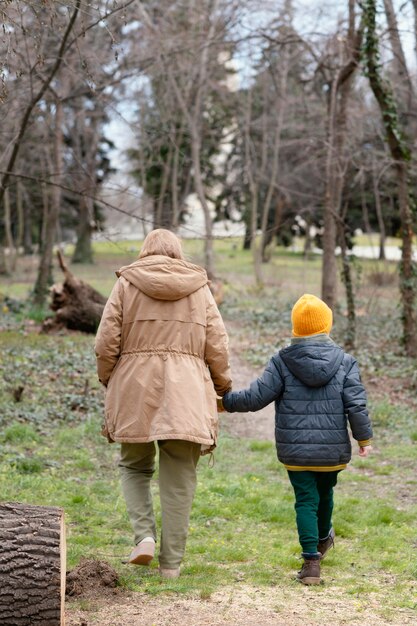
<point>317,389</point>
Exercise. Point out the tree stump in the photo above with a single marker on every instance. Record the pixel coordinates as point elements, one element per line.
<point>77,305</point>
<point>32,565</point>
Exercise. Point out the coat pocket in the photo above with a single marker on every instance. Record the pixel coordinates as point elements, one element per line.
<point>105,431</point>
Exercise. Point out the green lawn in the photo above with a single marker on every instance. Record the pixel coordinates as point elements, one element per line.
<point>288,271</point>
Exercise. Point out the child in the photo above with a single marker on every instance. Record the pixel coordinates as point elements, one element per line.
<point>317,388</point>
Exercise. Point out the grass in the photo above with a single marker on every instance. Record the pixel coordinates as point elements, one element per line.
<point>242,529</point>
<point>288,270</point>
<point>242,526</point>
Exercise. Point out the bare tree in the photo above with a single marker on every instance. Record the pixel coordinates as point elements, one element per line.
<point>45,265</point>
<point>35,99</point>
<point>339,92</point>
<point>401,158</point>
<point>403,78</point>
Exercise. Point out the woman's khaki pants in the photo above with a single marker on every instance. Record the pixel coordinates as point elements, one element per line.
<point>177,481</point>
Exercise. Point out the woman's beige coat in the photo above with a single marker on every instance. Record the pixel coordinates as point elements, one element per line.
<point>162,353</point>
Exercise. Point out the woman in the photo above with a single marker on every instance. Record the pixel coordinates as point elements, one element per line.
<point>162,353</point>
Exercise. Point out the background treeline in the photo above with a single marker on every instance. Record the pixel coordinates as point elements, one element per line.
<point>288,117</point>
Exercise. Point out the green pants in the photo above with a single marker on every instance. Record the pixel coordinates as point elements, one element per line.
<point>313,506</point>
<point>177,481</point>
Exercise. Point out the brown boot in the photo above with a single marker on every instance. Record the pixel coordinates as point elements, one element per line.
<point>310,572</point>
<point>325,544</point>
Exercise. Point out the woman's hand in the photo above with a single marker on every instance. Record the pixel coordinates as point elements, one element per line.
<point>220,407</point>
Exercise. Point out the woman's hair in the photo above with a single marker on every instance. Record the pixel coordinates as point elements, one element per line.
<point>162,241</point>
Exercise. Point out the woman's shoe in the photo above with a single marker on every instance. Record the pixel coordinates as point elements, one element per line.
<point>169,573</point>
<point>143,553</point>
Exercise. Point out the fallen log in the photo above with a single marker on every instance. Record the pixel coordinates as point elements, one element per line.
<point>32,565</point>
<point>77,305</point>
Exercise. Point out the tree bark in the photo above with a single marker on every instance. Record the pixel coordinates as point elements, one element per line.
<point>83,252</point>
<point>77,305</point>
<point>11,261</point>
<point>379,215</point>
<point>20,216</point>
<point>45,264</point>
<point>400,64</point>
<point>254,194</point>
<point>86,143</point>
<point>281,104</point>
<point>329,263</point>
<point>365,212</point>
<point>408,270</point>
<point>32,565</point>
<point>400,154</point>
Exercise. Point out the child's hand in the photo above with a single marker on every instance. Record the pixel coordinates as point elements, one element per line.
<point>365,450</point>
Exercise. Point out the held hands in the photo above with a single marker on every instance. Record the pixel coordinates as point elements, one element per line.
<point>365,450</point>
<point>220,407</point>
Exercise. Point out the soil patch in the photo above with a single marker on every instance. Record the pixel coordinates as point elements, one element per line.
<point>90,579</point>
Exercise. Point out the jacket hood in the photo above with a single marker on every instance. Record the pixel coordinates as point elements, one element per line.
<point>313,363</point>
<point>163,278</point>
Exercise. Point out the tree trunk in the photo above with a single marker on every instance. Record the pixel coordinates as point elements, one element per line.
<point>83,252</point>
<point>3,261</point>
<point>174,180</point>
<point>45,264</point>
<point>247,238</point>
<point>164,208</point>
<point>379,215</point>
<point>408,271</point>
<point>401,156</point>
<point>272,231</point>
<point>336,155</point>
<point>86,143</point>
<point>194,114</point>
<point>254,195</point>
<point>281,103</point>
<point>20,216</point>
<point>11,261</point>
<point>400,64</point>
<point>329,264</point>
<point>365,212</point>
<point>350,338</point>
<point>32,565</point>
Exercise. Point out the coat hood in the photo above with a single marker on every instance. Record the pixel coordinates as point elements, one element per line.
<point>163,278</point>
<point>313,363</point>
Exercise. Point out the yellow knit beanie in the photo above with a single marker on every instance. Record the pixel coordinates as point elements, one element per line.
<point>311,316</point>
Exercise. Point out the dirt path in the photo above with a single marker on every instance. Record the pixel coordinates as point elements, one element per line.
<point>241,606</point>
<point>259,425</point>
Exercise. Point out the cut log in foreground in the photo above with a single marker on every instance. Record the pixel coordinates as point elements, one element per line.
<point>77,305</point>
<point>32,565</point>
